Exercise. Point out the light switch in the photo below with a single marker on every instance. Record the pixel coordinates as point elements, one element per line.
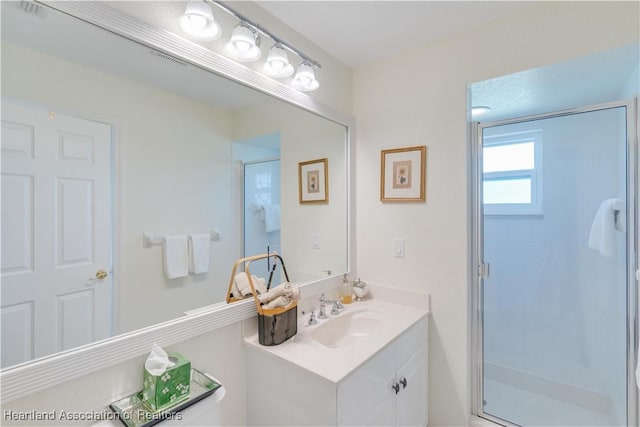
<point>398,248</point>
<point>315,241</point>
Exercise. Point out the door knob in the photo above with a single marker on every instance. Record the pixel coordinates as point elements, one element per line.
<point>396,387</point>
<point>101,274</point>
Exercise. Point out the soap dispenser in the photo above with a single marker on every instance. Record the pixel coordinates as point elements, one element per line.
<point>346,291</point>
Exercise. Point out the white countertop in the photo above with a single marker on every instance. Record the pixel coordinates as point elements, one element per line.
<point>336,363</point>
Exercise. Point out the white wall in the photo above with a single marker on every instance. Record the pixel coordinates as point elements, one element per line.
<point>172,176</point>
<point>420,97</point>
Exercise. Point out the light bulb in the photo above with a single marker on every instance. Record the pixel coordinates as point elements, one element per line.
<point>198,21</point>
<point>305,79</point>
<point>277,64</point>
<point>243,45</point>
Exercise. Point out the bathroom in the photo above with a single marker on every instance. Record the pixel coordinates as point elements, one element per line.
<point>413,97</point>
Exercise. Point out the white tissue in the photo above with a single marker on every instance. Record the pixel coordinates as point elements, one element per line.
<point>158,361</point>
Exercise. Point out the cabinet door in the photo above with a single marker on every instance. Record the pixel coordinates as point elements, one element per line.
<point>379,408</point>
<point>412,398</point>
<point>366,397</point>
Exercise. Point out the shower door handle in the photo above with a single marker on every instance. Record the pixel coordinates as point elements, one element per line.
<point>483,270</point>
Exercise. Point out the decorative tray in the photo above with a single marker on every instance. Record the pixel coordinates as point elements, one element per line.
<point>133,413</point>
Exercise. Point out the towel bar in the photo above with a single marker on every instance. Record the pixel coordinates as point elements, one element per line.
<point>149,239</point>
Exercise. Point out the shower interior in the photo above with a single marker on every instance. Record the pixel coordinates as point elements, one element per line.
<point>554,308</point>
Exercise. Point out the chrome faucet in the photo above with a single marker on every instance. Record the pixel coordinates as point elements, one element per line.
<point>337,305</point>
<point>335,309</point>
<point>312,319</point>
<point>322,314</point>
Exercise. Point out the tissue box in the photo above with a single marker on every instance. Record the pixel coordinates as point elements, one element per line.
<point>163,391</point>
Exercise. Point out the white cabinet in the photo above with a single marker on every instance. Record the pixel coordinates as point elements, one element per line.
<point>280,393</point>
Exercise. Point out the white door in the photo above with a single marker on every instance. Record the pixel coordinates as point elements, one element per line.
<point>56,232</point>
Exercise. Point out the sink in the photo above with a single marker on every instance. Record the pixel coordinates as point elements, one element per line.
<point>347,328</point>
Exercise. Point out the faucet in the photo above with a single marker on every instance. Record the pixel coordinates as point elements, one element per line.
<point>337,305</point>
<point>322,314</point>
<point>336,308</point>
<point>312,319</point>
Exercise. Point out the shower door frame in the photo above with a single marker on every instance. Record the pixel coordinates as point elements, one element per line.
<point>477,268</point>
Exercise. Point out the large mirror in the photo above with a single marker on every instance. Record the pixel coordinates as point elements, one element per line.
<point>108,147</point>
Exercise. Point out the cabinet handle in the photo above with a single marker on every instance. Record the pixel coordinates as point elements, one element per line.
<point>396,387</point>
<point>403,381</point>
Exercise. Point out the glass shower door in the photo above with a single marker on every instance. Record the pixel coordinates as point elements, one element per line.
<point>261,226</point>
<point>554,245</point>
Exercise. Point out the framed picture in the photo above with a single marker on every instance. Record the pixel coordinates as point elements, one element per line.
<point>313,181</point>
<point>402,174</point>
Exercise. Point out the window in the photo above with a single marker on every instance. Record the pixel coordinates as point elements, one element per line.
<point>512,173</point>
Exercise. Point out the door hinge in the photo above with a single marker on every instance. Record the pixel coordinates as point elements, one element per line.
<point>483,271</point>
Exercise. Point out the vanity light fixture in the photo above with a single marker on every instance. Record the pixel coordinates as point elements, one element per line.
<point>305,78</point>
<point>479,110</point>
<point>244,44</point>
<point>277,64</point>
<point>198,21</point>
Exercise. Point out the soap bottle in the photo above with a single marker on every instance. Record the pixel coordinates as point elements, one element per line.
<point>346,291</point>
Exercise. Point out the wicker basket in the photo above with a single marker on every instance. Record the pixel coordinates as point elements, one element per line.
<point>275,325</point>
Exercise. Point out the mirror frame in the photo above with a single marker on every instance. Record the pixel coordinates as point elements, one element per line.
<point>27,378</point>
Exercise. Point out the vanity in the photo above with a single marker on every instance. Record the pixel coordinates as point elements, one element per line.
<point>365,366</point>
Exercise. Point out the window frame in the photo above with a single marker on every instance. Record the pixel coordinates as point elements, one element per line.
<point>535,174</point>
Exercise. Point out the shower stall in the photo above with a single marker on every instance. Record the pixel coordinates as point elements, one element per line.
<point>554,295</point>
<point>261,216</point>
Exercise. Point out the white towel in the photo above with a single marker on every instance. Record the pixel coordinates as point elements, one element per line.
<point>602,236</point>
<point>281,301</point>
<point>199,250</point>
<point>273,293</point>
<point>176,259</point>
<point>271,217</point>
<point>241,281</point>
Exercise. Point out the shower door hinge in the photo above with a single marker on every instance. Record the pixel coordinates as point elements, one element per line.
<point>483,271</point>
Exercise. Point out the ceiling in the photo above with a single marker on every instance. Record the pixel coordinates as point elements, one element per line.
<point>358,33</point>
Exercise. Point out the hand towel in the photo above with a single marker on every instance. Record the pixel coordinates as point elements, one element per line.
<point>199,250</point>
<point>176,259</point>
<point>602,236</point>
<point>271,217</point>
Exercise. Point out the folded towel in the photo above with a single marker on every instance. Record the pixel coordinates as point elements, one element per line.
<point>176,259</point>
<point>602,236</point>
<point>241,281</point>
<point>281,301</point>
<point>199,249</point>
<point>283,289</point>
<point>295,292</point>
<point>271,217</point>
